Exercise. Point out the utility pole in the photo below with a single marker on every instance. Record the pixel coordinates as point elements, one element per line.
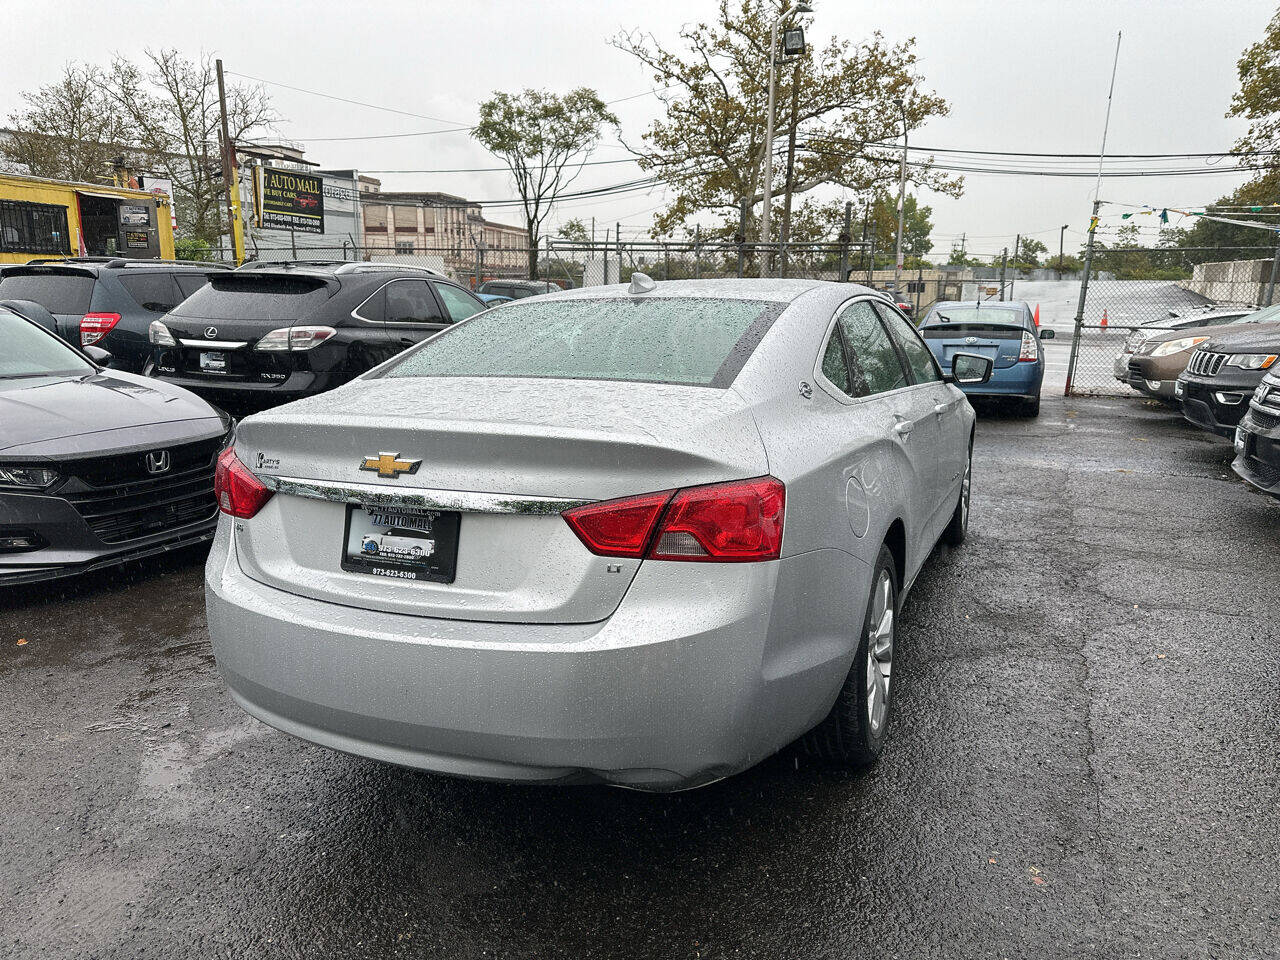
<point>744,214</point>
<point>768,151</point>
<point>1275,268</point>
<point>1084,294</point>
<point>1017,246</point>
<point>785,234</point>
<point>1004,260</point>
<point>229,178</point>
<point>845,236</point>
<point>902,196</point>
<point>1061,234</point>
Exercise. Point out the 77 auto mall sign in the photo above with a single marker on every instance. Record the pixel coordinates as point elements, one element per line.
<point>288,200</point>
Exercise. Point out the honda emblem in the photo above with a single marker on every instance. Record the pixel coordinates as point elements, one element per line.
<point>158,461</point>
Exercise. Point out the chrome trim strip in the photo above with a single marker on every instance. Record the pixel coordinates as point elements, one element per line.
<point>373,494</point>
<point>215,344</point>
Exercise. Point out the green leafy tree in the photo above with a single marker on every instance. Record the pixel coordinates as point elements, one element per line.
<point>709,147</point>
<point>1027,256</point>
<point>574,230</point>
<point>916,229</point>
<point>543,139</point>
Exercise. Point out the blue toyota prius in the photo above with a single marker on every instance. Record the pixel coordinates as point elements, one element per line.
<point>1003,330</point>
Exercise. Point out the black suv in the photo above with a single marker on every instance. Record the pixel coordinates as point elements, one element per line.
<point>107,302</point>
<point>1221,375</point>
<point>517,289</point>
<point>272,332</point>
<point>1258,438</point>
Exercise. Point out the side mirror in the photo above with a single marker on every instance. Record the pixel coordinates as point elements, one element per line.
<point>970,369</point>
<point>99,356</point>
<point>1046,333</point>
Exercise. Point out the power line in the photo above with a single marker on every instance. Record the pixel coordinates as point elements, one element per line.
<point>330,96</point>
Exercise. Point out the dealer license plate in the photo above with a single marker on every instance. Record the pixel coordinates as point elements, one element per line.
<point>404,543</point>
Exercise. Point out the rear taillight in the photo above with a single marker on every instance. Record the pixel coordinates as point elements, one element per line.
<point>294,338</point>
<point>724,522</point>
<point>239,492</point>
<point>1029,351</point>
<point>95,326</point>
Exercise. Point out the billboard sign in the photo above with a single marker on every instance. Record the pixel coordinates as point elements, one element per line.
<point>289,200</point>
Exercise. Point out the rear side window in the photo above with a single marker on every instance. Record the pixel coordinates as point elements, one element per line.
<point>874,359</point>
<point>997,331</point>
<point>924,368</point>
<point>255,297</point>
<point>156,292</point>
<point>56,292</point>
<point>410,301</point>
<point>694,341</point>
<point>834,367</point>
<point>458,302</point>
<point>189,283</point>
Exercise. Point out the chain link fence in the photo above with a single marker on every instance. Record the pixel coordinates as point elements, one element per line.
<point>1133,292</point>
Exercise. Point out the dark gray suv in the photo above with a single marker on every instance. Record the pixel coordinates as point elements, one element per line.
<point>107,302</point>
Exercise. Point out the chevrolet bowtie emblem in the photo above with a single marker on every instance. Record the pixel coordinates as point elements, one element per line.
<point>390,465</point>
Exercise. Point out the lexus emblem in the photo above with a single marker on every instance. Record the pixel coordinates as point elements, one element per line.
<point>158,461</point>
<point>210,332</point>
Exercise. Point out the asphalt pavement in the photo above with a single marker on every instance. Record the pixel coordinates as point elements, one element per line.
<point>1082,763</point>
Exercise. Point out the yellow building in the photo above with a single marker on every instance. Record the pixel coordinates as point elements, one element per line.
<point>56,218</point>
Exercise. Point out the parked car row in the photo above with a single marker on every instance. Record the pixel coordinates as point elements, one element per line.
<point>473,557</point>
<point>1221,367</point>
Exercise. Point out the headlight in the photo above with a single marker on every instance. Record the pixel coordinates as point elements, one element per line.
<point>294,338</point>
<point>31,477</point>
<point>1251,361</point>
<point>1176,346</point>
<point>159,335</point>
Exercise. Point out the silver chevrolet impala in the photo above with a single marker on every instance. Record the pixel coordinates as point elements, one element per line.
<point>642,535</point>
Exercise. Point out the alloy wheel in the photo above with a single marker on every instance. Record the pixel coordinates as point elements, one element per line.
<point>880,651</point>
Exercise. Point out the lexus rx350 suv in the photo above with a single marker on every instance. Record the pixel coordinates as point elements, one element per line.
<point>665,529</point>
<point>107,302</point>
<point>262,335</point>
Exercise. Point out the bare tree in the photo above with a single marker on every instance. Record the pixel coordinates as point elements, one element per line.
<point>171,103</point>
<point>71,129</point>
<point>544,139</point>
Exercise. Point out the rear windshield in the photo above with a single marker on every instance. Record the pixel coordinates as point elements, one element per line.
<point>995,331</point>
<point>56,292</point>
<point>695,341</point>
<point>254,297</point>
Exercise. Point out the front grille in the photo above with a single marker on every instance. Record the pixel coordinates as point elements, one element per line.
<point>1135,369</point>
<point>1206,364</point>
<point>121,501</point>
<point>1266,421</point>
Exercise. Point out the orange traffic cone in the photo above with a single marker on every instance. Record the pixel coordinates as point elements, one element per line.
<point>1104,317</point>
<point>1037,316</point>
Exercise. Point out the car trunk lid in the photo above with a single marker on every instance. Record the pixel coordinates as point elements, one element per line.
<point>219,326</point>
<point>1000,341</point>
<point>508,454</point>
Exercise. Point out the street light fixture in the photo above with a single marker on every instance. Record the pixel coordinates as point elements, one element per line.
<point>793,45</point>
<point>902,195</point>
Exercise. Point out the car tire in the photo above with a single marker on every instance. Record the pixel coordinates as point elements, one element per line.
<point>853,733</point>
<point>1031,408</point>
<point>958,528</point>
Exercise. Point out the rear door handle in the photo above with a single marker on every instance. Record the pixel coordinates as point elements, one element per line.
<point>408,341</point>
<point>903,428</point>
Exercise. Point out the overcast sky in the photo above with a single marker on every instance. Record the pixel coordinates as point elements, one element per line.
<point>1026,77</point>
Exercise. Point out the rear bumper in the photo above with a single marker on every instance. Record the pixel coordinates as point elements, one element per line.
<point>683,685</point>
<point>1022,380</point>
<point>301,383</point>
